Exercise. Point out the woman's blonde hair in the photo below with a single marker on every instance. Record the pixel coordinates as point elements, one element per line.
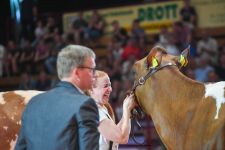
<point>101,74</point>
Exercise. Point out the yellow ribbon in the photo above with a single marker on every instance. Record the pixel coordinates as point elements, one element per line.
<point>154,62</point>
<point>183,61</point>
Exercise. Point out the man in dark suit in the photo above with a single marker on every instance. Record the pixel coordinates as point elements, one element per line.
<point>64,118</point>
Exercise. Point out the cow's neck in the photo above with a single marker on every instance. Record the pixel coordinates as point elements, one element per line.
<point>176,99</point>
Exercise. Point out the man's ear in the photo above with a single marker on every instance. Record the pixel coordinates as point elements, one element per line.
<point>76,73</point>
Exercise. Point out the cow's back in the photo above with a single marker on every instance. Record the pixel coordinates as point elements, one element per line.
<point>12,104</point>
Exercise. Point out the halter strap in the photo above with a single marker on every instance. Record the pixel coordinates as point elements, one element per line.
<point>142,80</point>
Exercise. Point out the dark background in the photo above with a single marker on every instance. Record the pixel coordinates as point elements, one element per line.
<point>4,16</point>
<point>51,6</point>
<point>75,5</point>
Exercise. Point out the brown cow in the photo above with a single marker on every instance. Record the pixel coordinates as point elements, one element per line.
<point>188,115</point>
<point>11,107</point>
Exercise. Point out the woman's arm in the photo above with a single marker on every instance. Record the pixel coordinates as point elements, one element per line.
<point>119,133</point>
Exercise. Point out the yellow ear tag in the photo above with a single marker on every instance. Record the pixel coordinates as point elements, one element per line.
<point>183,61</point>
<point>154,62</point>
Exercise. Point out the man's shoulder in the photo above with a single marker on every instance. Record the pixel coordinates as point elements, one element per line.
<point>75,96</point>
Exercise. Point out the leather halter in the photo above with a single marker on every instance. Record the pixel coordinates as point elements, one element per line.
<point>136,113</point>
<point>141,80</point>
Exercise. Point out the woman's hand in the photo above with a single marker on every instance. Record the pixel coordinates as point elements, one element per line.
<point>129,102</point>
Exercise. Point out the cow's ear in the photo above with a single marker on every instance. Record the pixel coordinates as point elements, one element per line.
<point>154,58</point>
<point>183,59</point>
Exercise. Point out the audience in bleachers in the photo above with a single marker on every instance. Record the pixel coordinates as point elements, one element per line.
<point>79,27</point>
<point>202,69</point>
<point>119,34</point>
<point>208,47</point>
<point>27,82</point>
<point>35,59</point>
<point>220,67</point>
<point>96,26</point>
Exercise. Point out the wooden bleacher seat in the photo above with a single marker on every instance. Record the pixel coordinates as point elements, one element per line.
<point>102,42</point>
<point>214,32</point>
<point>218,33</point>
<point>100,52</point>
<point>9,83</point>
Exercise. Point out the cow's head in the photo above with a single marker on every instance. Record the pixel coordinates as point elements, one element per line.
<point>155,67</point>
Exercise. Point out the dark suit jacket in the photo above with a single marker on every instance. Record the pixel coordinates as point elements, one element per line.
<point>60,119</point>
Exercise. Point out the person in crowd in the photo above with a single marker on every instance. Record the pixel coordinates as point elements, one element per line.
<point>43,81</point>
<point>188,15</point>
<point>212,76</point>
<point>208,47</point>
<point>110,133</point>
<point>220,68</point>
<point>10,62</point>
<point>119,33</point>
<point>96,26</point>
<point>202,69</point>
<point>79,25</point>
<point>131,49</point>
<point>136,30</point>
<point>26,82</point>
<point>2,54</point>
<point>180,33</point>
<point>64,117</point>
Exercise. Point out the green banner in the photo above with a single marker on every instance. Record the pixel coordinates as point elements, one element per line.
<point>211,13</point>
<point>152,15</point>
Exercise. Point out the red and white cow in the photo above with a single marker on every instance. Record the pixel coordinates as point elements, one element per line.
<point>12,104</point>
<point>188,115</point>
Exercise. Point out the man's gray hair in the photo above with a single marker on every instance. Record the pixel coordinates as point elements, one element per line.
<point>70,57</point>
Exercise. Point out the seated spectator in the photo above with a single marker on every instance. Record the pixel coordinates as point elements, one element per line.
<point>96,26</point>
<point>188,15</point>
<point>40,30</point>
<point>143,45</point>
<point>168,41</point>
<point>137,31</point>
<point>208,47</point>
<point>212,76</point>
<point>116,73</point>
<point>220,68</point>
<point>193,45</point>
<point>164,35</point>
<point>10,64</point>
<point>59,43</point>
<point>79,26</point>
<point>115,48</point>
<point>43,51</point>
<point>202,69</point>
<point>116,91</point>
<point>69,38</point>
<point>26,82</point>
<point>56,45</point>
<point>190,73</point>
<point>43,82</point>
<point>2,54</point>
<point>27,57</point>
<point>180,32</point>
<point>127,72</point>
<point>119,34</point>
<point>50,25</point>
<point>131,49</point>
